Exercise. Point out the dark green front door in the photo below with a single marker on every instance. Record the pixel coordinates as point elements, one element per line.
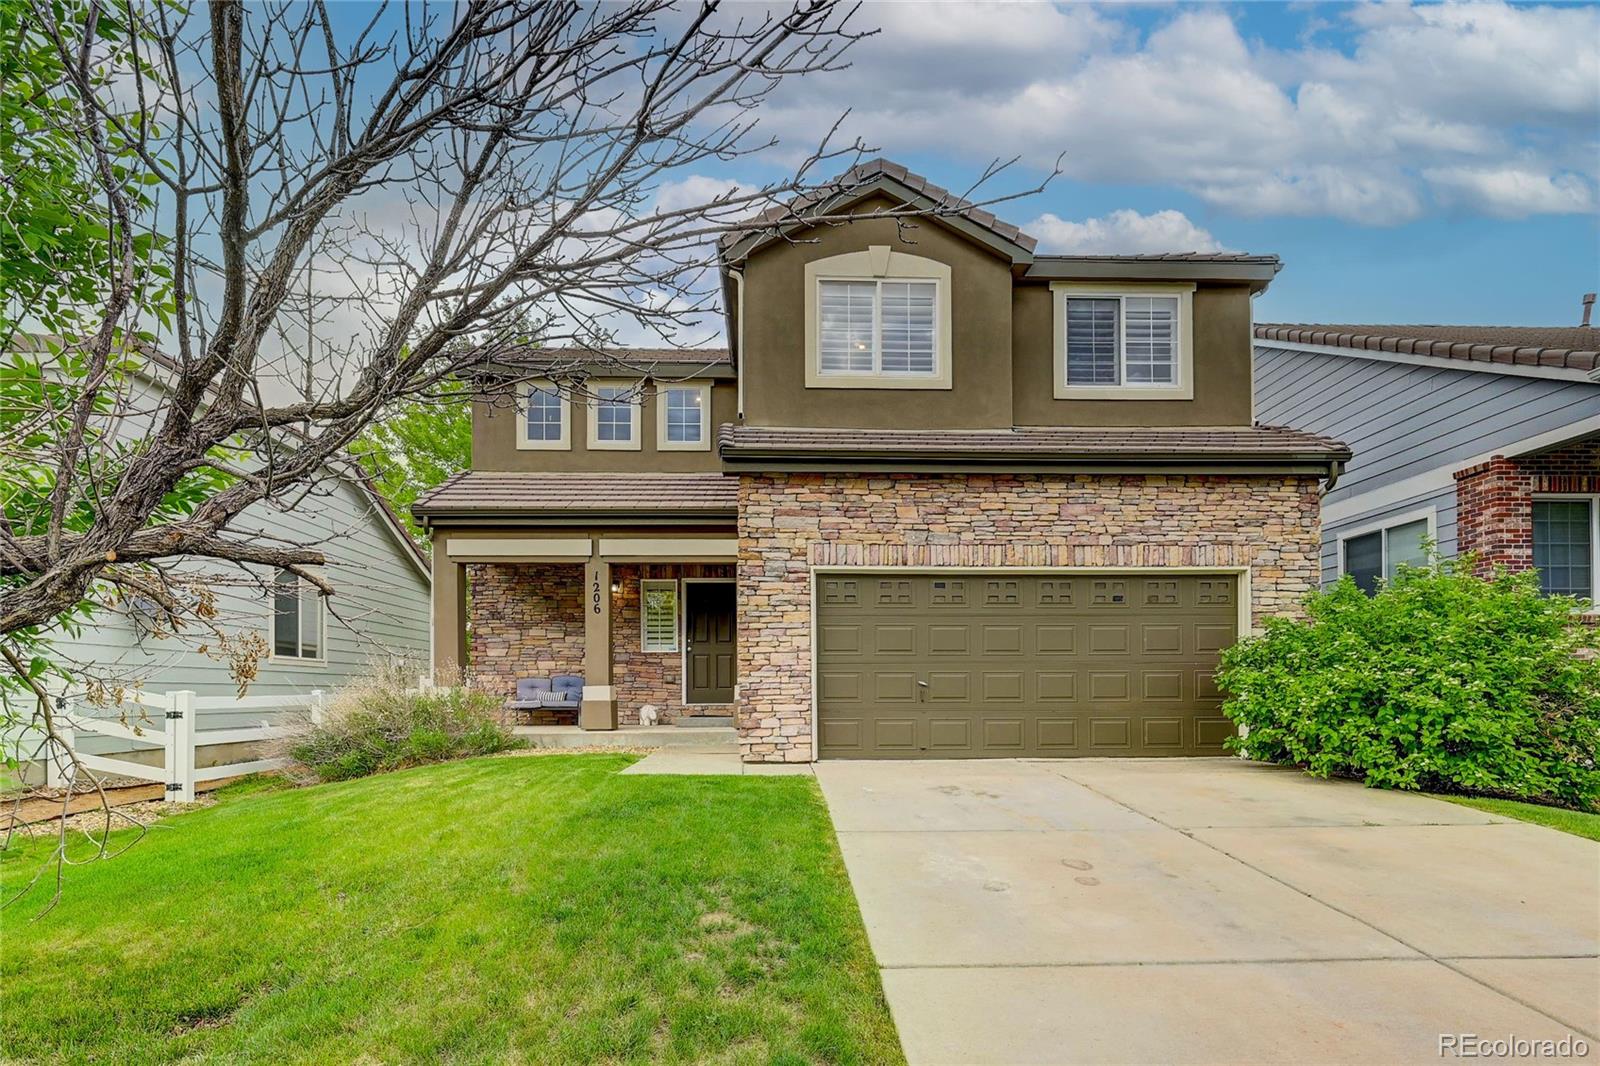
<point>974,665</point>
<point>709,657</point>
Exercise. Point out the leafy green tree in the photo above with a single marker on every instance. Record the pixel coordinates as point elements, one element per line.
<point>416,448</point>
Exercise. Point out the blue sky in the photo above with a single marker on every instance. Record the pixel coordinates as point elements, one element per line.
<point>1428,163</point>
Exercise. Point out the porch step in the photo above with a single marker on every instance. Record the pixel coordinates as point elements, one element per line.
<point>632,736</point>
<point>704,721</point>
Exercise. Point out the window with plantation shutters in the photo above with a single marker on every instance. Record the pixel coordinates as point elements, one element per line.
<point>878,326</point>
<point>659,614</point>
<point>1115,343</point>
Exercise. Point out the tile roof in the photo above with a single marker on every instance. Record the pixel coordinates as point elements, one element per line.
<point>864,173</point>
<point>1064,443</point>
<point>1168,257</point>
<point>480,491</point>
<point>1560,347</point>
<point>538,357</point>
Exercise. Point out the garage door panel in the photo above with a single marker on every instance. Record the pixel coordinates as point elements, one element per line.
<point>977,665</point>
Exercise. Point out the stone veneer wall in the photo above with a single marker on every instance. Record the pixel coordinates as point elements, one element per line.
<point>527,621</point>
<point>1494,500</point>
<point>643,677</point>
<point>789,523</point>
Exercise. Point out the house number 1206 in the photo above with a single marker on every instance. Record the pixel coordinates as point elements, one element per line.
<point>594,594</point>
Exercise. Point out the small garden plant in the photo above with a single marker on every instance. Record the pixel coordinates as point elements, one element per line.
<point>1443,681</point>
<point>379,724</point>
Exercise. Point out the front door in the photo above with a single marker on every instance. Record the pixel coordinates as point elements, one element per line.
<point>709,656</point>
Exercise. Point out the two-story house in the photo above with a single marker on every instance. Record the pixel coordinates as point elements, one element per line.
<point>942,497</point>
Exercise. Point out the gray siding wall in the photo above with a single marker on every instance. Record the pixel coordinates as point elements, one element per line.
<point>1403,421</point>
<point>380,610</point>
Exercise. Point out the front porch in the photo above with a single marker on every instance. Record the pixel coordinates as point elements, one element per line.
<point>644,621</point>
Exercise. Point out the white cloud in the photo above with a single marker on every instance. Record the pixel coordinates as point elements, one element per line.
<point>1511,192</point>
<point>1413,114</point>
<point>1124,232</point>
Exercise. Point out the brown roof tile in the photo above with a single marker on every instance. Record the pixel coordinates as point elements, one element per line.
<point>480,491</point>
<point>1564,347</point>
<point>540,357</point>
<point>1065,443</point>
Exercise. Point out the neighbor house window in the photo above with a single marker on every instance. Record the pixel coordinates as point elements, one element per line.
<point>659,613</point>
<point>297,618</point>
<point>614,415</point>
<point>1123,344</point>
<point>1379,554</point>
<point>882,326</point>
<point>1564,538</point>
<point>683,418</point>
<point>878,319</point>
<point>542,421</point>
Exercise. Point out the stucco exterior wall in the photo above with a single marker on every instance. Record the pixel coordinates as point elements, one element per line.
<point>790,523</point>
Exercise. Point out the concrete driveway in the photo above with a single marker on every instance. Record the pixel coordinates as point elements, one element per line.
<point>1208,910</point>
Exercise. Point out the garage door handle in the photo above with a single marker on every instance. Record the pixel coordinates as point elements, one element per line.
<point>921,689</point>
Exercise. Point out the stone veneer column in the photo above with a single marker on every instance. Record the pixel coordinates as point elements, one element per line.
<point>790,523</point>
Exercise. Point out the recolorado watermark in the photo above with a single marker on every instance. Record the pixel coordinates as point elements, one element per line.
<point>1473,1046</point>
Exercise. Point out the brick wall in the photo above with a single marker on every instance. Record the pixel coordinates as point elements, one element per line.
<point>1494,500</point>
<point>790,523</point>
<point>527,621</point>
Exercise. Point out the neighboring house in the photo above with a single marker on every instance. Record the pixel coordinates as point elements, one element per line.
<point>943,497</point>
<point>1482,438</point>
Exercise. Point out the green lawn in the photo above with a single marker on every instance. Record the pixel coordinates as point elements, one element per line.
<point>1578,823</point>
<point>506,909</point>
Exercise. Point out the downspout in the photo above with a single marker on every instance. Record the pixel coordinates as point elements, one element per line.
<point>738,340</point>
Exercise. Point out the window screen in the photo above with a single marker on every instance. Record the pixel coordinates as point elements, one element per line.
<point>1563,546</point>
<point>613,413</point>
<point>1405,546</point>
<point>545,412</point>
<point>685,416</point>
<point>845,326</point>
<point>907,332</point>
<point>296,618</point>
<point>1363,560</point>
<point>1151,325</point>
<point>1093,350</point>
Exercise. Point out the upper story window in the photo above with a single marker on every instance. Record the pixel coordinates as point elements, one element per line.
<point>614,415</point>
<point>543,420</point>
<point>297,618</point>
<point>883,326</point>
<point>1566,544</point>
<point>683,417</point>
<point>1124,342</point>
<point>878,319</point>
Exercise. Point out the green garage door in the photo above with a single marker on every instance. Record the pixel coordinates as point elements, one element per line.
<point>973,665</point>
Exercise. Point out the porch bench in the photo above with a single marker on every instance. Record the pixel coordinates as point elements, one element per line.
<point>558,693</point>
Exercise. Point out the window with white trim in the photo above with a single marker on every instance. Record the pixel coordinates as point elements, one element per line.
<point>658,612</point>
<point>1565,550</point>
<point>1122,340</point>
<point>886,326</point>
<point>614,415</point>
<point>542,417</point>
<point>1378,555</point>
<point>297,618</point>
<point>683,416</point>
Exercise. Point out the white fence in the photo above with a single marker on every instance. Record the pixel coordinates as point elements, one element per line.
<point>174,729</point>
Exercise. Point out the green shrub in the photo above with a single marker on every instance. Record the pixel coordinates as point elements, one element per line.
<point>379,725</point>
<point>1442,681</point>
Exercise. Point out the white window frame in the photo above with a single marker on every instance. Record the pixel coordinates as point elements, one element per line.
<point>677,616</point>
<point>592,417</point>
<point>301,586</point>
<point>701,445</point>
<point>1594,533</point>
<point>562,443</point>
<point>1383,525</point>
<point>878,263</point>
<point>1182,386</point>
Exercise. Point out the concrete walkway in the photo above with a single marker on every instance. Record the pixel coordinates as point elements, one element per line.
<point>1208,910</point>
<point>711,761</point>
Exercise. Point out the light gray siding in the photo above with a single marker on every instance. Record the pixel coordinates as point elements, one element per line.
<point>1407,423</point>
